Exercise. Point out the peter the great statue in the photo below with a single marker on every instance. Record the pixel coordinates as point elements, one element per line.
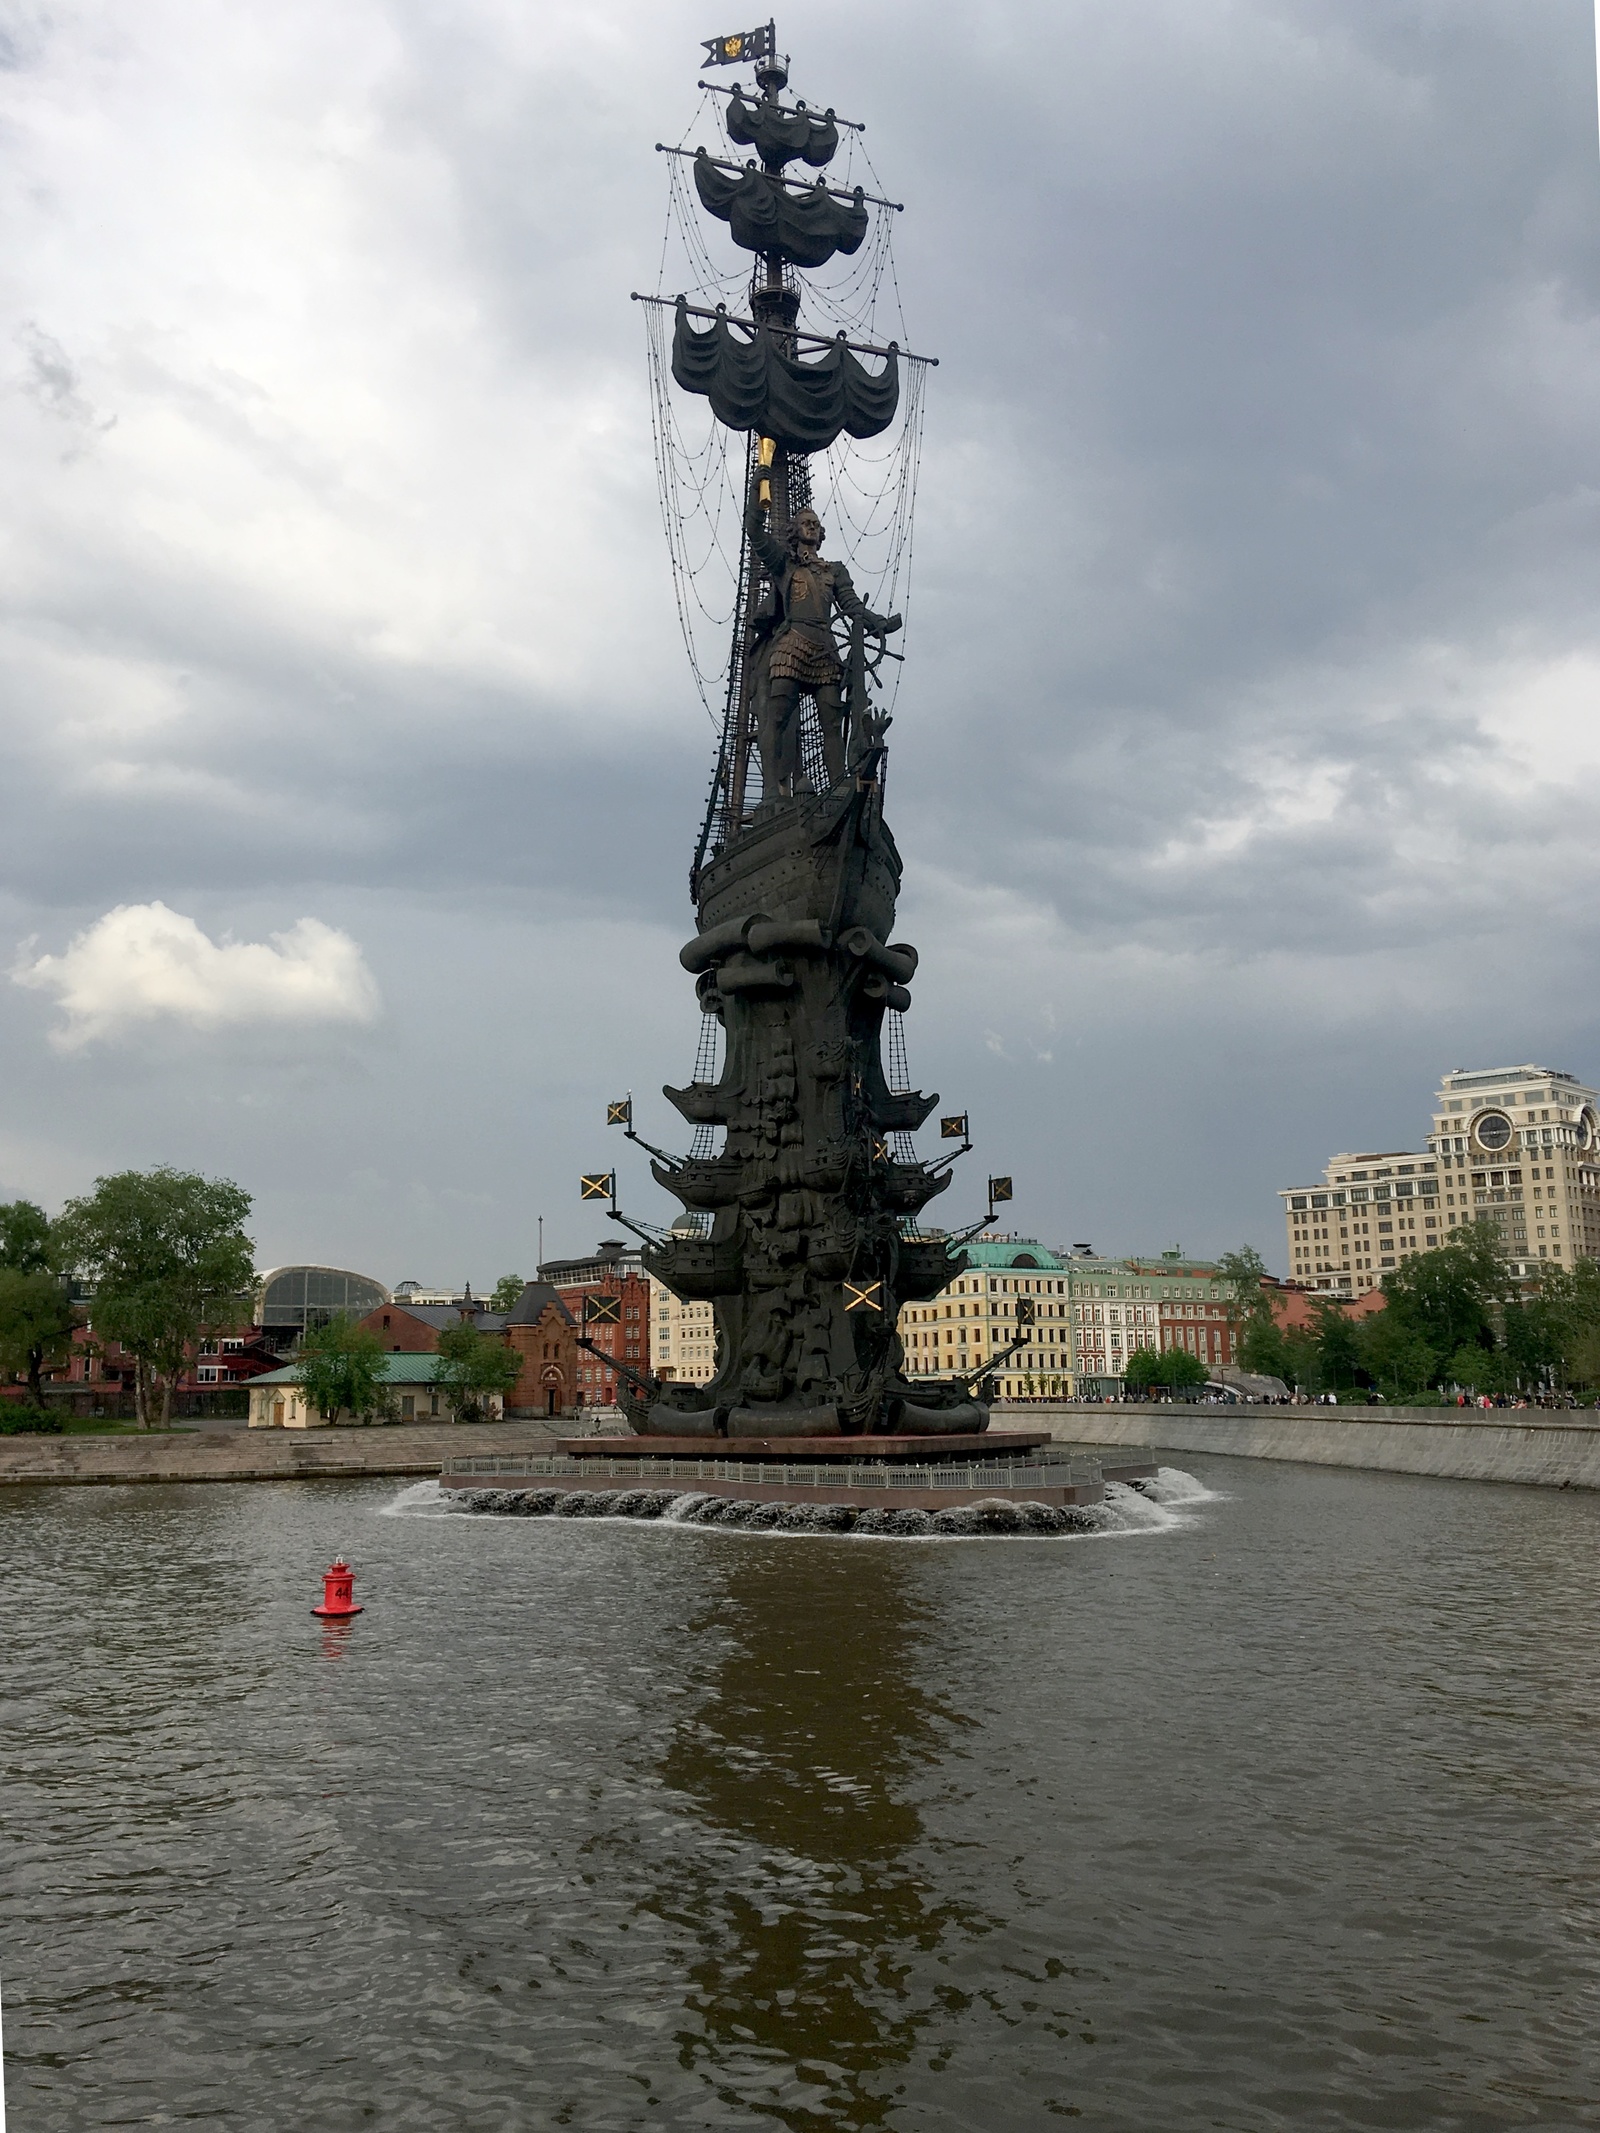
<point>798,653</point>
<point>802,1189</point>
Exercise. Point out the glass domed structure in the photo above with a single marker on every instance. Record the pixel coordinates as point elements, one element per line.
<point>302,1296</point>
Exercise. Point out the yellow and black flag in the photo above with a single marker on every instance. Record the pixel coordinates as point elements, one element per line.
<point>999,1189</point>
<point>602,1310</point>
<point>620,1114</point>
<point>598,1185</point>
<point>863,1295</point>
<point>954,1129</point>
<point>732,51</point>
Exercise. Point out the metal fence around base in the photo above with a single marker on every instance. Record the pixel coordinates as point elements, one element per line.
<point>1009,1475</point>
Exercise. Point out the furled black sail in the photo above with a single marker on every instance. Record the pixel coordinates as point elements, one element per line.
<point>804,226</point>
<point>778,136</point>
<point>753,385</point>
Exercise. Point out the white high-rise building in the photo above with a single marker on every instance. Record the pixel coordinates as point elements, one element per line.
<point>1518,1147</point>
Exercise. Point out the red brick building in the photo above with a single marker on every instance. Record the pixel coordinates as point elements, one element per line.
<point>101,1369</point>
<point>1291,1304</point>
<point>539,1327</point>
<point>613,1270</point>
<point>543,1331</point>
<point>414,1329</point>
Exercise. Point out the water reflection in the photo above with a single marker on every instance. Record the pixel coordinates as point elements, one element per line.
<point>801,1879</point>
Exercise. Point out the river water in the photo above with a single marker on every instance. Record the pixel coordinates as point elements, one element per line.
<point>1277,1809</point>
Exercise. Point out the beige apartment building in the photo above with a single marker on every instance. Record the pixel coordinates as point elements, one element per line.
<point>1517,1147</point>
<point>683,1337</point>
<point>975,1316</point>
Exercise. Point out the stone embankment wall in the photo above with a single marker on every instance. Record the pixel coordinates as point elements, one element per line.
<point>261,1454</point>
<point>1544,1447</point>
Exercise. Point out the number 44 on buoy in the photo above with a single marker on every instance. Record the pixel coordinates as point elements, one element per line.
<point>338,1592</point>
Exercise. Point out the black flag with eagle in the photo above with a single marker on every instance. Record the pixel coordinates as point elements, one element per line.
<point>742,45</point>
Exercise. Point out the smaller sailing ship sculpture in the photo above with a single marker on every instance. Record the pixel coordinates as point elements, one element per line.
<point>802,1229</point>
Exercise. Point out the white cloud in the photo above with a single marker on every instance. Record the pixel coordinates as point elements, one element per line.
<point>143,962</point>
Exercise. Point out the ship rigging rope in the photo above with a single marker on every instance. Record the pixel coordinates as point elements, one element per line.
<point>865,491</point>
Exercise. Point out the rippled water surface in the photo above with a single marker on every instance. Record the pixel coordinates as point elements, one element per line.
<point>1278,1812</point>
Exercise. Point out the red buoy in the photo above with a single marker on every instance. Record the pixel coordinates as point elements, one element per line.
<point>338,1592</point>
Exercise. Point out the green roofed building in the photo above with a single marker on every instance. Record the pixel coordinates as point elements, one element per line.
<point>276,1401</point>
<point>1091,1313</point>
<point>976,1316</point>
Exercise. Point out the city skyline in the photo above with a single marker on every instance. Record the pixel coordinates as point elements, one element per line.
<point>335,866</point>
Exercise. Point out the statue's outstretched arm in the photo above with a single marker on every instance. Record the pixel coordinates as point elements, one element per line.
<point>850,602</point>
<point>770,553</point>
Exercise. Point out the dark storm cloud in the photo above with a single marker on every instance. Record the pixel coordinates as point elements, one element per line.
<point>1245,758</point>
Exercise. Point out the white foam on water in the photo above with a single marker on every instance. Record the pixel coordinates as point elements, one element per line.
<point>423,1499</point>
<point>1166,1502</point>
<point>680,1511</point>
<point>1171,1484</point>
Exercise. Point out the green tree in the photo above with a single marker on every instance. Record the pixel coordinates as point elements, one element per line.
<point>1454,1296</point>
<point>37,1319</point>
<point>1535,1343</point>
<point>1395,1356</point>
<point>1565,1322</point>
<point>341,1367</point>
<point>1256,1341</point>
<point>472,1365</point>
<point>1301,1362</point>
<point>1338,1344</point>
<point>167,1258</point>
<point>1168,1367</point>
<point>25,1240</point>
<point>506,1291</point>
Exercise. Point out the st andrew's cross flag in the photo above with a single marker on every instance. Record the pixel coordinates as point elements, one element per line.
<point>742,45</point>
<point>620,1114</point>
<point>954,1129</point>
<point>999,1189</point>
<point>602,1310</point>
<point>598,1185</point>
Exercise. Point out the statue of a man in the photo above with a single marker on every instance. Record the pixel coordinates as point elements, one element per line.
<point>801,654</point>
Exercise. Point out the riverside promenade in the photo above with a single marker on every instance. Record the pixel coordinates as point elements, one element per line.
<point>262,1454</point>
<point>1546,1448</point>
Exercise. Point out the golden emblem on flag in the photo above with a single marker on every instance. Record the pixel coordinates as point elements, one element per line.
<point>741,44</point>
<point>598,1185</point>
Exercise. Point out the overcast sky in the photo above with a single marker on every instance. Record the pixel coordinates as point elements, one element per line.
<point>1246,761</point>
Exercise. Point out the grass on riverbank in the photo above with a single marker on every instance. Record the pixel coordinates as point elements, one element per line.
<point>31,1422</point>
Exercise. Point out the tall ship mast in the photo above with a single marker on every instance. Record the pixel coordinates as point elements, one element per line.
<point>802,1187</point>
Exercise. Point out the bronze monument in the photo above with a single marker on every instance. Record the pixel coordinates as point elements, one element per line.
<point>802,1226</point>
